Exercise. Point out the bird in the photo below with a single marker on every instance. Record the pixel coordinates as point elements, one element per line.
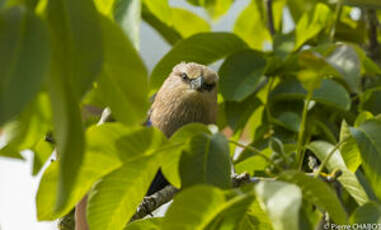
<point>188,94</point>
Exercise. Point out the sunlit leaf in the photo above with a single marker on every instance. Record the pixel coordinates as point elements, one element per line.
<point>212,152</point>
<point>101,158</point>
<point>310,24</point>
<point>282,202</point>
<point>349,180</point>
<point>114,199</point>
<point>349,150</point>
<point>319,193</point>
<point>203,211</point>
<point>145,224</point>
<point>368,137</point>
<point>253,31</point>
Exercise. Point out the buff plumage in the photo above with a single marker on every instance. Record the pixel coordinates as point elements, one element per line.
<point>181,101</point>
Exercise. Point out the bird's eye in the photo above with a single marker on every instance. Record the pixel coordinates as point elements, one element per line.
<point>208,87</point>
<point>184,76</point>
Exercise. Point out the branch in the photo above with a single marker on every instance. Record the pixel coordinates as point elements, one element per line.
<point>373,42</point>
<point>153,202</point>
<point>270,17</point>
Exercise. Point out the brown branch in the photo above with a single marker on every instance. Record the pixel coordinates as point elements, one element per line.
<point>153,202</point>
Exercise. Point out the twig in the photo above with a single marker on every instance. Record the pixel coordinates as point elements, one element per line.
<point>270,17</point>
<point>299,146</point>
<point>339,9</point>
<point>330,154</point>
<point>373,42</point>
<point>252,149</point>
<point>153,202</point>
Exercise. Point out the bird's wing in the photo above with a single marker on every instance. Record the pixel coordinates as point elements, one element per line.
<point>148,122</point>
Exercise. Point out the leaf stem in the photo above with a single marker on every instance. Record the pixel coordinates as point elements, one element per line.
<point>267,107</point>
<point>338,10</point>
<point>330,154</point>
<point>270,17</point>
<point>301,134</point>
<point>255,151</point>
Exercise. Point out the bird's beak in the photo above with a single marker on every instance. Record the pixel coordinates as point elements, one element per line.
<point>197,83</point>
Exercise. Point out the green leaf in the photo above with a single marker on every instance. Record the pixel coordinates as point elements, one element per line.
<point>241,74</point>
<point>177,143</point>
<point>128,14</point>
<point>368,137</point>
<point>348,179</point>
<point>205,205</point>
<point>217,8</point>
<point>281,201</point>
<point>188,23</point>
<point>349,149</point>
<point>140,142</point>
<point>371,100</point>
<point>183,24</point>
<point>253,31</point>
<point>362,117</point>
<point>207,160</point>
<point>114,199</point>
<point>310,24</point>
<point>345,59</point>
<point>204,48</point>
<point>167,32</point>
<point>330,93</point>
<point>364,3</point>
<point>238,113</point>
<point>255,219</point>
<point>319,193</point>
<point>369,213</point>
<point>160,9</point>
<point>123,83</point>
<point>77,60</point>
<point>27,130</point>
<point>24,57</point>
<point>145,224</point>
<point>78,51</point>
<point>101,158</point>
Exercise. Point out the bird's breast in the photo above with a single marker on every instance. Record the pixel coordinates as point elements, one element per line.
<point>172,113</point>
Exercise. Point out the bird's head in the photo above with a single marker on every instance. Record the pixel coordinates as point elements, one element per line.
<point>192,78</point>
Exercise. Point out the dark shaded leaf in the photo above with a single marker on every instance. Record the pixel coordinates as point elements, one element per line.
<point>24,58</point>
<point>204,48</point>
<point>241,74</point>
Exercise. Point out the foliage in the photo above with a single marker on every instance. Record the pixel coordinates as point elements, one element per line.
<point>304,105</point>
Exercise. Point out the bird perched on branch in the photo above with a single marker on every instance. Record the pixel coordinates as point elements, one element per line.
<point>189,94</point>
